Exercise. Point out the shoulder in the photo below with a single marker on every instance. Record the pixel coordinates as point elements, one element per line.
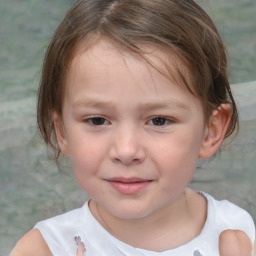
<point>228,212</point>
<point>234,242</point>
<point>225,210</point>
<point>32,243</point>
<point>227,215</point>
<point>62,223</point>
<point>56,235</point>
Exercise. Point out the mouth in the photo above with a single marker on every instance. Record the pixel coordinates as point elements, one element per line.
<point>128,186</point>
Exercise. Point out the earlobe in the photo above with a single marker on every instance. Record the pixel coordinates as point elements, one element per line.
<point>60,133</point>
<point>215,131</point>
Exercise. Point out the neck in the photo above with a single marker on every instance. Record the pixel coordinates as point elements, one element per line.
<point>173,225</point>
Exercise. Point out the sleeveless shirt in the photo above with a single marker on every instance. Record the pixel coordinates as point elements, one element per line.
<point>59,233</point>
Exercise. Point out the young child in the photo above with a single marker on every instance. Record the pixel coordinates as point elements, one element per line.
<point>134,92</point>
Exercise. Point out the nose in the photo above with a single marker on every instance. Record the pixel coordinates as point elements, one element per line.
<point>127,147</point>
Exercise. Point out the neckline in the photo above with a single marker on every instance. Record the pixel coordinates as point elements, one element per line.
<point>193,244</point>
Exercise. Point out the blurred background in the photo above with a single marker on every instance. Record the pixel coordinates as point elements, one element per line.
<point>31,186</point>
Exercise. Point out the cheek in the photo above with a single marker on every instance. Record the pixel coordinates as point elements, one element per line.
<point>180,146</point>
<point>177,155</point>
<point>86,156</point>
<point>85,164</point>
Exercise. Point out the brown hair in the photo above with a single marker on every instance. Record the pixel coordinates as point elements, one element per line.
<point>179,27</point>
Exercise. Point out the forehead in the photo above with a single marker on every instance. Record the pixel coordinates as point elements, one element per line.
<point>104,75</point>
<point>109,54</point>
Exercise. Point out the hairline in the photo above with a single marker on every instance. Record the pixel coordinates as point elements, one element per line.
<point>164,55</point>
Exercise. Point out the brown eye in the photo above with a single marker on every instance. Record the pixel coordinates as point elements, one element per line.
<point>97,121</point>
<point>159,121</point>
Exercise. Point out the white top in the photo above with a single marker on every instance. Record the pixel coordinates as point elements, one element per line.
<point>59,233</point>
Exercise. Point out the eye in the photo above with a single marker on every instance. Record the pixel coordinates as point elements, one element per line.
<point>159,121</point>
<point>97,121</point>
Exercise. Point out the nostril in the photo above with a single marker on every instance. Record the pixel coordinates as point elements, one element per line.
<point>127,157</point>
<point>127,161</point>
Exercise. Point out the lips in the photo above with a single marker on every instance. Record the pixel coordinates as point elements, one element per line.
<point>128,186</point>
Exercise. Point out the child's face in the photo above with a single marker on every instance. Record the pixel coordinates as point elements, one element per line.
<point>133,136</point>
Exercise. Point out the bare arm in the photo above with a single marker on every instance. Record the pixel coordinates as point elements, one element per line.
<point>234,243</point>
<point>31,244</point>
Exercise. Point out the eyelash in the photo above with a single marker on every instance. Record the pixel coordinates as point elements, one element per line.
<point>100,121</point>
<point>91,121</point>
<point>164,121</point>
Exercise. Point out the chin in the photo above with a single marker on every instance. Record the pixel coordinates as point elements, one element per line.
<point>130,212</point>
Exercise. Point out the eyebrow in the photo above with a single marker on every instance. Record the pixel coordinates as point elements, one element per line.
<point>93,103</point>
<point>142,107</point>
<point>168,104</point>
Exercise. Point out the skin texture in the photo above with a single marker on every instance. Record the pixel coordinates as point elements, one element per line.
<point>134,138</point>
<point>126,95</point>
<point>32,243</point>
<point>234,243</point>
<point>109,128</point>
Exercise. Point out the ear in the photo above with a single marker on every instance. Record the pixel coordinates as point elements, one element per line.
<point>215,131</point>
<point>60,133</point>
